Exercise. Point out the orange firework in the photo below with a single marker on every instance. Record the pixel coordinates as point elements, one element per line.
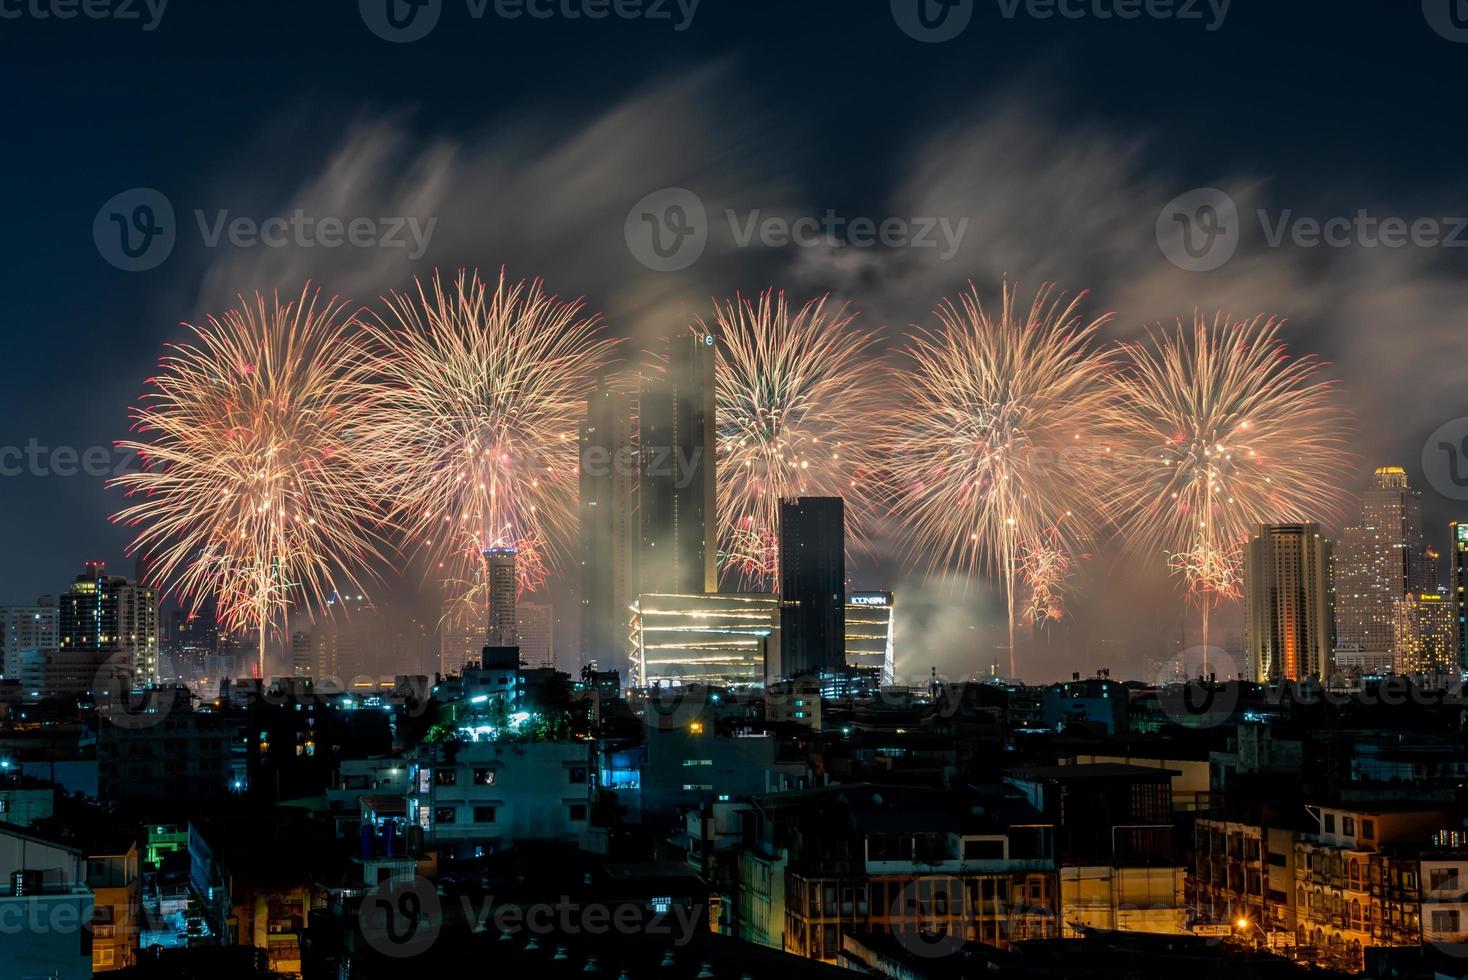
<point>794,400</point>
<point>1216,429</point>
<point>991,444</point>
<point>252,492</point>
<point>475,440</point>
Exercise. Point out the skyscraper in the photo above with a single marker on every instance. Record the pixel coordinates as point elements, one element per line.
<point>1381,558</point>
<point>1287,604</point>
<point>1458,588</point>
<point>102,616</point>
<point>1425,636</point>
<point>608,529</point>
<point>535,631</point>
<point>502,586</point>
<point>676,447</point>
<point>812,585</point>
<point>301,654</point>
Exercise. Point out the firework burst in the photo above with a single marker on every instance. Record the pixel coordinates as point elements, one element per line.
<point>482,392</point>
<point>794,389</point>
<point>993,448</point>
<point>1216,429</point>
<point>251,492</point>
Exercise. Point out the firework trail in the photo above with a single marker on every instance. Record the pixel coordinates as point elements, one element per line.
<point>992,444</point>
<point>476,437</point>
<point>794,403</point>
<point>1046,566</point>
<point>1217,429</point>
<point>251,492</point>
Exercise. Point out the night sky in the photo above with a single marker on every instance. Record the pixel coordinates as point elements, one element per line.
<point>1060,140</point>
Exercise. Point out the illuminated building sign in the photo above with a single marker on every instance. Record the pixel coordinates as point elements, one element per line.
<point>869,599</point>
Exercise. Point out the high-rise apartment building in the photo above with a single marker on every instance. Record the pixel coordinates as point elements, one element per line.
<point>535,628</point>
<point>502,587</point>
<point>1380,558</point>
<point>676,465</point>
<point>609,531</point>
<point>1425,635</point>
<point>301,654</point>
<point>1458,588</point>
<point>102,616</point>
<point>812,585</point>
<point>26,630</point>
<point>1287,603</point>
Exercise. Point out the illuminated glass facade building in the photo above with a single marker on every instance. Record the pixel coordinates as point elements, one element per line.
<point>869,633</point>
<point>1380,559</point>
<point>720,639</point>
<point>1287,603</point>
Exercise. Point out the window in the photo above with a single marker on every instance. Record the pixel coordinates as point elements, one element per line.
<point>484,814</point>
<point>1368,829</point>
<point>1330,823</point>
<point>445,814</point>
<point>446,777</point>
<point>1441,880</point>
<point>1445,921</point>
<point>576,774</point>
<point>577,811</point>
<point>483,777</point>
<point>1348,826</point>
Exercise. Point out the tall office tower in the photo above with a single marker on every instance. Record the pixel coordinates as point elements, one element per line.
<point>812,585</point>
<point>676,467</point>
<point>301,654</point>
<point>869,633</point>
<point>344,638</point>
<point>502,586</point>
<point>608,529</point>
<point>535,626</point>
<point>1425,638</point>
<point>1458,588</point>
<point>1380,558</point>
<point>26,630</point>
<point>1287,607</point>
<point>102,615</point>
